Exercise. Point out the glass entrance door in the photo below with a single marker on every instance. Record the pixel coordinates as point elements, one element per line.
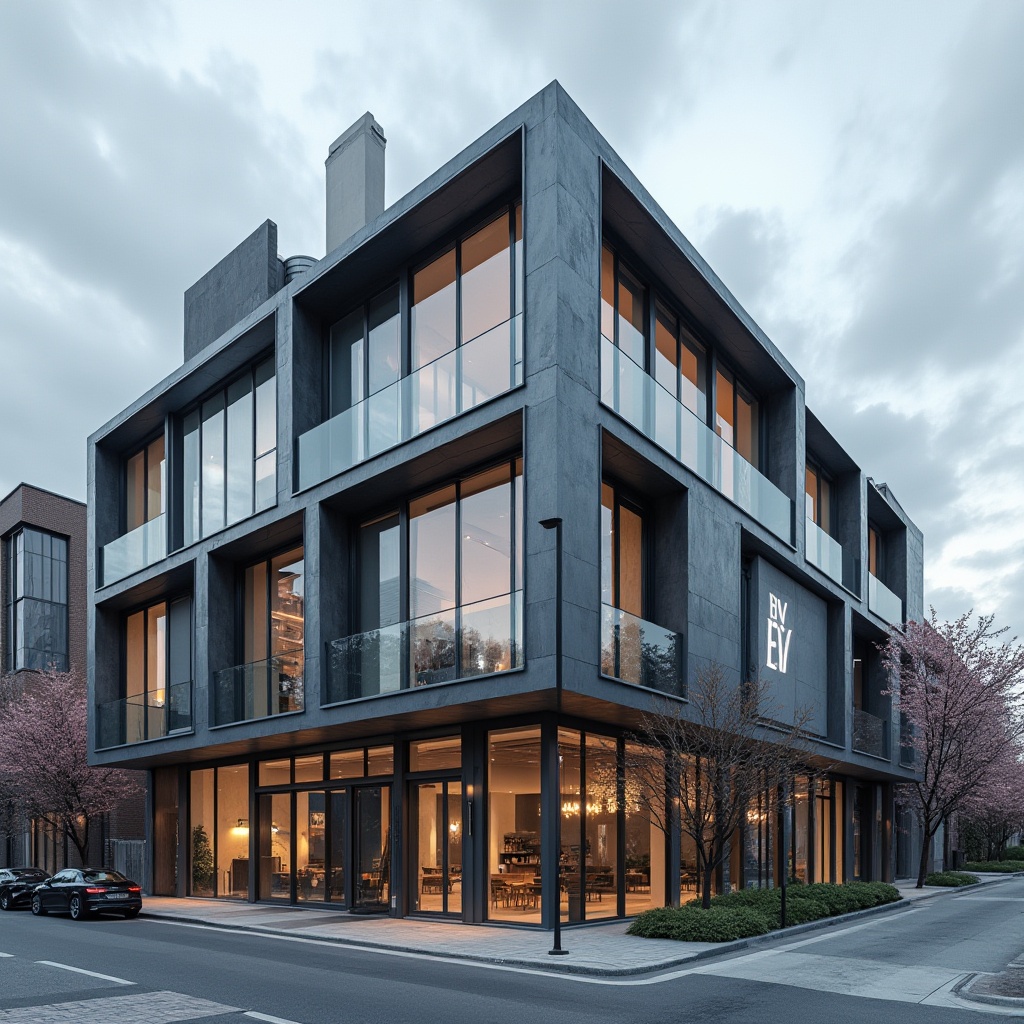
<point>337,845</point>
<point>437,847</point>
<point>372,840</point>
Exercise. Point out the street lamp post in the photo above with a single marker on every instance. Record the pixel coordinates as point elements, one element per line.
<point>555,524</point>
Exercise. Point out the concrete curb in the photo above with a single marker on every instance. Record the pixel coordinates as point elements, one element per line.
<point>556,966</point>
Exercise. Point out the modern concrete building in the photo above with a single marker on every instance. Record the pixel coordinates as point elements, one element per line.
<point>323,593</point>
<point>43,582</point>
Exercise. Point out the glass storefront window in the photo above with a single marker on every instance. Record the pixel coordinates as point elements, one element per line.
<point>380,761</point>
<point>435,755</point>
<point>823,831</point>
<point>573,857</point>
<point>233,831</point>
<point>276,773</point>
<point>601,843</point>
<point>645,841</point>
<point>310,846</point>
<point>800,829</point>
<point>309,769</point>
<point>201,834</point>
<point>514,833</point>
<point>347,764</point>
<point>275,845</point>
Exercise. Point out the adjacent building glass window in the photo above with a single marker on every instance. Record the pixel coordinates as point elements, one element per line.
<point>229,454</point>
<point>36,600</point>
<point>818,497</point>
<point>145,485</point>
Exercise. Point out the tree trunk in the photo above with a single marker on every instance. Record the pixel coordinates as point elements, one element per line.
<point>708,875</point>
<point>922,870</point>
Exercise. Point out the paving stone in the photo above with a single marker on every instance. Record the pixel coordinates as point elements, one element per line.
<point>151,1007</point>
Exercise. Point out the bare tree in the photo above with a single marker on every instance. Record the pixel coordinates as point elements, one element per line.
<point>723,745</point>
<point>43,757</point>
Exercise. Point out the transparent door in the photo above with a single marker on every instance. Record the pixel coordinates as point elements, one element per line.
<point>372,866</point>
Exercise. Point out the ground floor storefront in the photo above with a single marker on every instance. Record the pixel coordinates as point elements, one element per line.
<point>493,821</point>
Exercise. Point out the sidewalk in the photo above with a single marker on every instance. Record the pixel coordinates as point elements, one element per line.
<point>602,949</point>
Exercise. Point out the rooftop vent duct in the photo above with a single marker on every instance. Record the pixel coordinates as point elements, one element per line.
<point>355,180</point>
<point>295,265</point>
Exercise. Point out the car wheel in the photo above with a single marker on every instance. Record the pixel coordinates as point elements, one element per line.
<point>129,914</point>
<point>77,909</point>
<point>37,907</point>
<point>5,901</point>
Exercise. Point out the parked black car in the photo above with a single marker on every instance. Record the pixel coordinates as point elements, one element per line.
<point>82,892</point>
<point>16,885</point>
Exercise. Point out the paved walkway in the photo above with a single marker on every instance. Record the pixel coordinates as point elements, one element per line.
<point>593,949</point>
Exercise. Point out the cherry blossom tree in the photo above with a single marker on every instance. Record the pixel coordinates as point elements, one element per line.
<point>43,755</point>
<point>961,689</point>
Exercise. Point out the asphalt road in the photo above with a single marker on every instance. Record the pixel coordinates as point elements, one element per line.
<point>893,967</point>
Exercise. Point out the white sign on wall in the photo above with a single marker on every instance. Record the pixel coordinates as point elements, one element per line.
<point>779,635</point>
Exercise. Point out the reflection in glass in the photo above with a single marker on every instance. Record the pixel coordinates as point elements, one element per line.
<point>485,280</point>
<point>372,867</point>
<point>433,310</point>
<point>213,465</point>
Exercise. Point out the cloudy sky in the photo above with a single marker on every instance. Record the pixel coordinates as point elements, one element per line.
<point>854,171</point>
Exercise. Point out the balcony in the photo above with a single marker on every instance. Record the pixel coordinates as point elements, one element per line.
<point>870,734</point>
<point>134,720</point>
<point>883,602</point>
<point>471,640</point>
<point>640,400</point>
<point>451,385</point>
<point>640,652</point>
<point>141,547</point>
<point>830,556</point>
<point>261,689</point>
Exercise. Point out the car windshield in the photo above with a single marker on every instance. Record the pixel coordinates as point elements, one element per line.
<point>103,876</point>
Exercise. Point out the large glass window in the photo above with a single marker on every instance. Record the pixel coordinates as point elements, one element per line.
<point>36,600</point>
<point>818,497</point>
<point>737,416</point>
<point>145,485</point>
<point>623,307</point>
<point>273,619</point>
<point>462,553</point>
<point>622,553</point>
<point>874,551</point>
<point>219,831</point>
<point>203,874</point>
<point>229,454</point>
<point>158,670</point>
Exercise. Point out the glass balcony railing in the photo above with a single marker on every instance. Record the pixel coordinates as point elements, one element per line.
<point>640,652</point>
<point>883,602</point>
<point>452,384</point>
<point>135,719</point>
<point>831,557</point>
<point>260,689</point>
<point>870,734</point>
<point>471,640</point>
<point>640,400</point>
<point>145,545</point>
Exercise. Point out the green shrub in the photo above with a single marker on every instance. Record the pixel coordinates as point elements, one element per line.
<point>995,865</point>
<point>837,898</point>
<point>804,909</point>
<point>1012,853</point>
<point>951,878</point>
<point>693,924</point>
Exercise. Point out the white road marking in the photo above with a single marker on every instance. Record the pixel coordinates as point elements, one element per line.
<point>992,899</point>
<point>6,954</point>
<point>91,974</point>
<point>268,1018</point>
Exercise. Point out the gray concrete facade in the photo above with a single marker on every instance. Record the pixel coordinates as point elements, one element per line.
<point>576,193</point>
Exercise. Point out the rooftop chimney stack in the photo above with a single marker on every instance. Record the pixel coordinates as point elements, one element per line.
<point>355,180</point>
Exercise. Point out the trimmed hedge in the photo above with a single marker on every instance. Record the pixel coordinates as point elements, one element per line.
<point>995,865</point>
<point>734,914</point>
<point>1012,853</point>
<point>953,879</point>
<point>692,924</point>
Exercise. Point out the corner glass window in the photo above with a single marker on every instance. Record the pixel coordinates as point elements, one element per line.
<point>817,497</point>
<point>36,600</point>
<point>737,417</point>
<point>622,553</point>
<point>145,485</point>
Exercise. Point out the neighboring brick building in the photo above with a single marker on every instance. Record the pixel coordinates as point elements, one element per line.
<point>44,625</point>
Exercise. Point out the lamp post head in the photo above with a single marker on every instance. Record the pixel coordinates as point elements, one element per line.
<point>551,524</point>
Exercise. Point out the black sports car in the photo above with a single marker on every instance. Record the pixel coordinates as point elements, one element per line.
<point>16,885</point>
<point>82,892</point>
